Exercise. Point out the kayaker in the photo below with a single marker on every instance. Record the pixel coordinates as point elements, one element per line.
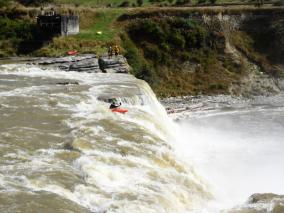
<point>114,104</point>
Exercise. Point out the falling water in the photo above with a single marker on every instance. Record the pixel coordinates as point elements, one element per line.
<point>63,150</point>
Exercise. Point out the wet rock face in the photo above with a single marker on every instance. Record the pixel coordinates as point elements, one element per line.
<point>86,63</point>
<point>114,64</point>
<point>262,203</point>
<point>79,63</point>
<point>266,197</point>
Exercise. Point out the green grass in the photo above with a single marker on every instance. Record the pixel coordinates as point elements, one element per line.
<point>88,40</point>
<point>103,22</point>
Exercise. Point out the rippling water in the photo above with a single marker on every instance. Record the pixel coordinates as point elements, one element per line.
<point>63,150</point>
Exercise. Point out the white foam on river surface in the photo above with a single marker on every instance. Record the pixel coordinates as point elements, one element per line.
<point>63,140</point>
<point>83,152</point>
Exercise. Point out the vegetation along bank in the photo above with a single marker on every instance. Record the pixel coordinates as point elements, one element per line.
<point>177,50</point>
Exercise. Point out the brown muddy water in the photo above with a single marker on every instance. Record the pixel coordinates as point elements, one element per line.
<point>63,150</point>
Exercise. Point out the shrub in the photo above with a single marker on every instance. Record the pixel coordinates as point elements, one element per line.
<point>185,56</point>
<point>178,23</point>
<point>201,1</point>
<point>148,74</point>
<point>11,29</point>
<point>196,37</point>
<point>177,40</point>
<point>152,52</point>
<point>149,29</point>
<point>34,2</point>
<point>217,87</point>
<point>182,2</point>
<point>132,54</point>
<point>156,1</point>
<point>125,4</point>
<point>140,2</point>
<point>165,47</point>
<point>279,3</point>
<point>4,3</point>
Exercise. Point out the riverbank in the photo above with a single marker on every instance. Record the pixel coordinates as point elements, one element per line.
<point>218,50</point>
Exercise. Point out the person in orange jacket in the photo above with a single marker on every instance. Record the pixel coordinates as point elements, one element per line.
<point>116,50</point>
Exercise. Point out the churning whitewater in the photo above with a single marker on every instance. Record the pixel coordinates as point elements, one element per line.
<point>63,150</point>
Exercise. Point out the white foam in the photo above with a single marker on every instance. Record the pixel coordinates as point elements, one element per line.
<point>148,177</point>
<point>238,152</point>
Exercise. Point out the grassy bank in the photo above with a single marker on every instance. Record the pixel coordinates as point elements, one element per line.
<point>20,35</point>
<point>175,54</point>
<point>98,30</point>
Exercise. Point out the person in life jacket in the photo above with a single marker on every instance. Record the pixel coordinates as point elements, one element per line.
<point>114,104</point>
<point>116,50</point>
<point>110,52</point>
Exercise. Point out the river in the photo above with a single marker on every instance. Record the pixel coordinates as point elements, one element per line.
<point>63,150</point>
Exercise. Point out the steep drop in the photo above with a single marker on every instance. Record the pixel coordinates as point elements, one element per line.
<point>61,145</point>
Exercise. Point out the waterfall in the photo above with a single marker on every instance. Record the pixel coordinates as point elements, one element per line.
<point>61,144</point>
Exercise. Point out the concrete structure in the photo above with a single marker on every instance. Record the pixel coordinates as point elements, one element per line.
<point>69,25</point>
<point>54,24</point>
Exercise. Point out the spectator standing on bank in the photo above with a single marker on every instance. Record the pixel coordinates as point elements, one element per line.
<point>110,52</point>
<point>116,50</point>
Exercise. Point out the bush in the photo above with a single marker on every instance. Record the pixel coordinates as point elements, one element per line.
<point>156,1</point>
<point>182,2</point>
<point>279,3</point>
<point>125,4</point>
<point>196,37</point>
<point>34,2</point>
<point>140,3</point>
<point>149,29</point>
<point>4,3</point>
<point>201,1</point>
<point>178,23</point>
<point>132,54</point>
<point>11,29</point>
<point>148,74</point>
<point>217,87</point>
<point>152,52</point>
<point>177,40</point>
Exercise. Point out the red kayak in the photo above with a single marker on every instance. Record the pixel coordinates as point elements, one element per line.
<point>72,52</point>
<point>120,110</point>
